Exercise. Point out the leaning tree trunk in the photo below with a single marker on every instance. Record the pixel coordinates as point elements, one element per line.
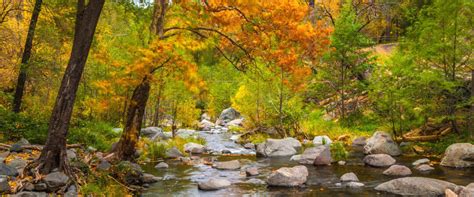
<point>471,124</point>
<point>20,85</point>
<point>53,154</point>
<point>125,149</point>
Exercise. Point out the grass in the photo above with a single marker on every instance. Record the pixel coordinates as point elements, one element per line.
<point>316,125</point>
<point>154,150</point>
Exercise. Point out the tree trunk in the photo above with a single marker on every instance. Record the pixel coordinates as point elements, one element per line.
<point>53,154</point>
<point>20,85</point>
<point>158,20</point>
<point>125,149</point>
<point>156,119</point>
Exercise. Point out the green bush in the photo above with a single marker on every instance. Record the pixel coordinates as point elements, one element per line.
<point>96,134</point>
<point>338,152</point>
<point>16,126</point>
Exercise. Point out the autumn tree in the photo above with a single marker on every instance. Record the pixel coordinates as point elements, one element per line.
<point>20,86</point>
<point>53,154</point>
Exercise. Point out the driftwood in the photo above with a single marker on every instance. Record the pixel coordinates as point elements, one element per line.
<point>426,138</point>
<point>36,147</point>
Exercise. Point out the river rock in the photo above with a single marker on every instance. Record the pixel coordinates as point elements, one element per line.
<point>31,194</point>
<point>40,187</point>
<point>416,186</point>
<point>349,177</point>
<point>251,171</point>
<point>71,155</point>
<point>161,165</point>
<point>152,133</point>
<point>16,148</point>
<point>173,153</point>
<point>206,125</point>
<point>322,140</point>
<point>228,165</point>
<point>4,187</point>
<point>205,116</point>
<point>104,165</point>
<point>249,146</point>
<point>278,147</point>
<point>459,155</point>
<point>360,141</point>
<point>214,184</point>
<point>288,177</point>
<point>382,143</point>
<point>19,164</point>
<point>8,170</point>
<point>23,142</point>
<point>193,148</point>
<point>424,168</point>
<point>309,155</point>
<point>467,191</point>
<point>255,181</point>
<point>132,171</point>
<point>379,160</point>
<point>149,178</point>
<point>421,161</point>
<point>227,115</point>
<point>397,170</point>
<point>56,179</point>
<point>354,185</point>
<point>185,133</point>
<point>235,123</point>
<point>324,157</point>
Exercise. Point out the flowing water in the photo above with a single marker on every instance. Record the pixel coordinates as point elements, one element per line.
<point>181,180</point>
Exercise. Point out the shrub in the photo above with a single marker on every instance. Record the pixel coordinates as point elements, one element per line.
<point>15,126</point>
<point>96,134</point>
<point>338,152</point>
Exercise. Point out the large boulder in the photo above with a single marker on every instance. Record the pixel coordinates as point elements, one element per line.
<point>278,147</point>
<point>228,165</point>
<point>56,180</point>
<point>322,140</point>
<point>310,154</point>
<point>324,157</point>
<point>288,177</point>
<point>416,186</point>
<point>467,191</point>
<point>194,148</point>
<point>214,184</point>
<point>359,143</point>
<point>459,155</point>
<point>379,160</point>
<point>227,115</point>
<point>382,143</point>
<point>397,170</point>
<point>153,133</point>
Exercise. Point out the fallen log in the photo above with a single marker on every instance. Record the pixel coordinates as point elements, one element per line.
<point>426,138</point>
<point>36,147</point>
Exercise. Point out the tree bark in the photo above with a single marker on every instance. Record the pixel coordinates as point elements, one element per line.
<point>158,20</point>
<point>53,154</point>
<point>125,149</point>
<point>20,85</point>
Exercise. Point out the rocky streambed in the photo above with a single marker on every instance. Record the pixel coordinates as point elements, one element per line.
<point>248,175</point>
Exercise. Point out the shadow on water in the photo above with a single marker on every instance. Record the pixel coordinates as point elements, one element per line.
<point>181,180</point>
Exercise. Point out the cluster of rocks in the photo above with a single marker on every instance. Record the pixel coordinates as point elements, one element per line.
<point>228,118</point>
